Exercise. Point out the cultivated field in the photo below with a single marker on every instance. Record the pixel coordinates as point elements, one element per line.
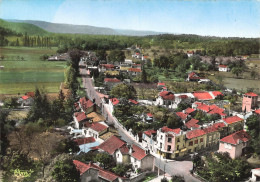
<point>23,70</point>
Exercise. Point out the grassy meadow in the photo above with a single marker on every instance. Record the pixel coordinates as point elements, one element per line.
<point>23,70</point>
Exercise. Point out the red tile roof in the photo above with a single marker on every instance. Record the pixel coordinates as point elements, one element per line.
<point>124,149</point>
<point>149,132</point>
<point>202,95</point>
<point>195,133</point>
<point>192,123</point>
<point>214,127</point>
<point>82,167</point>
<point>190,52</point>
<point>81,141</point>
<point>135,70</point>
<point>30,94</point>
<point>80,116</point>
<point>113,80</point>
<point>76,105</point>
<point>216,110</point>
<point>194,75</point>
<point>182,115</point>
<point>161,84</point>
<point>189,110</point>
<point>166,95</point>
<point>138,153</point>
<point>25,97</point>
<point>98,127</point>
<point>165,129</point>
<point>111,144</point>
<point>251,94</point>
<point>183,97</point>
<point>235,137</point>
<point>222,66</point>
<point>85,103</point>
<point>108,66</point>
<point>216,93</point>
<point>149,114</point>
<point>257,111</point>
<point>114,101</point>
<point>232,119</point>
<point>204,107</point>
<point>133,101</point>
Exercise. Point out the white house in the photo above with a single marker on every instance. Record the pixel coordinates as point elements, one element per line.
<point>95,130</point>
<point>190,53</point>
<point>148,140</point>
<point>255,175</point>
<point>223,68</point>
<point>79,118</point>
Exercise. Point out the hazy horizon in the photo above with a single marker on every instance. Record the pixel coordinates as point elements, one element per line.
<point>206,18</point>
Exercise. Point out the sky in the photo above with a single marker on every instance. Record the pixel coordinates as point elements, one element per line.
<point>203,17</point>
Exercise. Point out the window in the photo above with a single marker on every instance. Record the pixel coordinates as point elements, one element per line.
<point>178,140</point>
<point>161,137</point>
<point>170,140</point>
<point>177,147</point>
<point>191,143</point>
<point>196,141</point>
<point>117,155</point>
<point>169,148</point>
<point>160,145</point>
<point>201,140</point>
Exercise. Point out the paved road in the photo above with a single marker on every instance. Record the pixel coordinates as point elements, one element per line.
<point>173,167</point>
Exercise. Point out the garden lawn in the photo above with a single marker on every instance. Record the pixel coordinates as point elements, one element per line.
<point>23,70</point>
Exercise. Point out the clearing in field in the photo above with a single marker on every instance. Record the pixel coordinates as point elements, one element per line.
<point>23,70</point>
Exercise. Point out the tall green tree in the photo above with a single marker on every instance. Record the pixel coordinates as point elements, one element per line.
<point>124,91</point>
<point>65,171</point>
<point>116,56</point>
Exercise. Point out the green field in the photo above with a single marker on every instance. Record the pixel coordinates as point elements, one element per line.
<point>23,70</point>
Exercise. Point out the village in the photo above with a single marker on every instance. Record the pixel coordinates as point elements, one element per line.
<point>127,129</point>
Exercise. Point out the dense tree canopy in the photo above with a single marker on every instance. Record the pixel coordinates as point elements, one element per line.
<point>116,56</point>
<point>124,91</point>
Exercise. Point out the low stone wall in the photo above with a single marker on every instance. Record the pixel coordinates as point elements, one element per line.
<point>138,178</point>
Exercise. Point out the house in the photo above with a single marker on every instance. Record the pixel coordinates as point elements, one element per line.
<point>141,159</point>
<point>191,124</point>
<point>111,145</point>
<point>59,57</point>
<point>79,119</point>
<point>106,67</point>
<point>202,95</point>
<point>190,53</point>
<point>249,102</point>
<point>195,140</point>
<point>190,111</point>
<point>122,154</point>
<point>88,106</point>
<point>134,71</point>
<point>211,109</point>
<point>193,76</point>
<point>95,130</point>
<point>25,101</point>
<point>160,85</point>
<point>112,102</point>
<point>213,133</point>
<point>234,144</point>
<point>166,98</point>
<point>111,82</point>
<point>182,115</point>
<point>255,175</point>
<point>85,144</point>
<point>139,66</point>
<point>95,117</point>
<point>148,117</point>
<point>128,61</point>
<point>166,141</point>
<point>223,68</point>
<point>234,123</point>
<point>148,140</point>
<point>92,172</point>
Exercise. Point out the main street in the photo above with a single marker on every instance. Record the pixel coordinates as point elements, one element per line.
<point>171,167</point>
